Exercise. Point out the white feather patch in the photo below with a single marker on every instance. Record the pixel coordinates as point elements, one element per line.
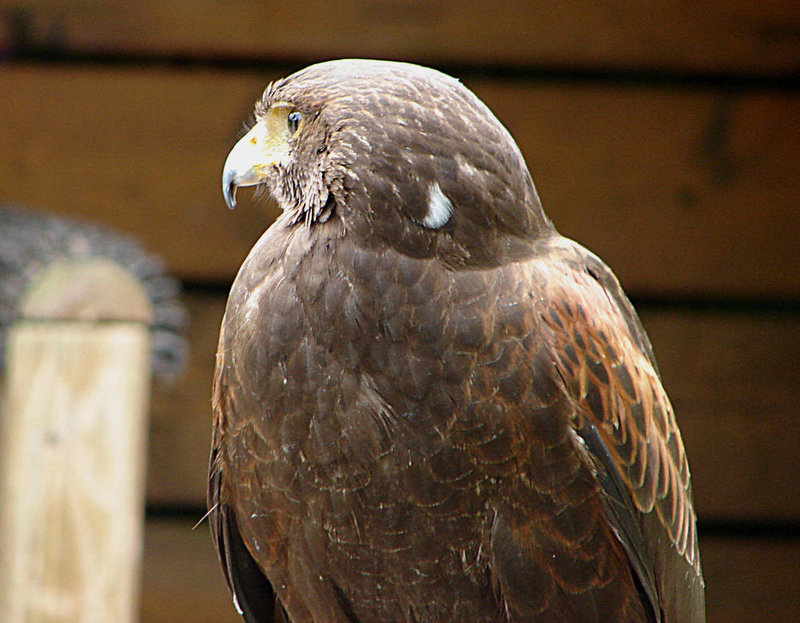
<point>440,208</point>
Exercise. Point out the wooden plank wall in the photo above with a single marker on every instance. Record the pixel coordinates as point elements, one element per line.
<point>662,135</point>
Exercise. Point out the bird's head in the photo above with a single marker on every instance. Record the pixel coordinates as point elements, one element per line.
<point>404,155</point>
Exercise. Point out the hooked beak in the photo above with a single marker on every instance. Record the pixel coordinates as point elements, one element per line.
<point>246,164</point>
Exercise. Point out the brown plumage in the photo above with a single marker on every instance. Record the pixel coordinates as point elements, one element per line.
<point>429,407</point>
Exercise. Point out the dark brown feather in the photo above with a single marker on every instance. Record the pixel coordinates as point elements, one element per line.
<point>620,395</point>
<point>416,424</point>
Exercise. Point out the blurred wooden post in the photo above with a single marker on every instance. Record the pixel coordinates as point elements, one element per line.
<point>72,449</point>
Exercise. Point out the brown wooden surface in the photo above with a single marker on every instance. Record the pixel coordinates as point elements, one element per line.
<point>754,580</point>
<point>734,379</point>
<point>684,192</point>
<point>182,579</point>
<point>742,35</point>
<point>732,376</point>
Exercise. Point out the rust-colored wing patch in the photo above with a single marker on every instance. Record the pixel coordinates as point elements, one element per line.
<point>604,358</point>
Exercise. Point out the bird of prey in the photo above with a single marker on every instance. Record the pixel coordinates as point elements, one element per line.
<point>429,406</point>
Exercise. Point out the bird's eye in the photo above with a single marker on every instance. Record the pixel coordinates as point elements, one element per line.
<point>293,120</point>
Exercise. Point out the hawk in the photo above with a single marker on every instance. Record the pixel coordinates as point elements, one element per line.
<point>429,406</point>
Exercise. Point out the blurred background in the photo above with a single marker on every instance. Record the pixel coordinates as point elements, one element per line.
<point>662,135</point>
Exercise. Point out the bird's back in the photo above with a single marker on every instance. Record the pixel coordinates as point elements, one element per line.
<point>414,442</point>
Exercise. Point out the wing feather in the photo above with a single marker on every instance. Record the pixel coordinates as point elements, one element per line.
<point>607,364</point>
<point>252,593</point>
